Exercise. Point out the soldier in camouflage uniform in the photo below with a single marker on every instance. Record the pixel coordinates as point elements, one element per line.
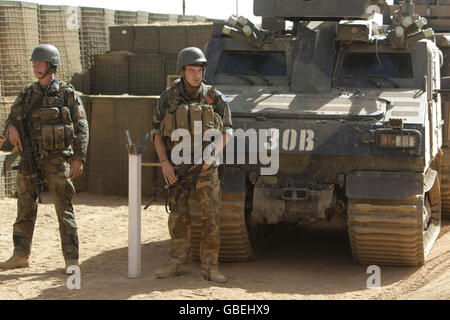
<point>185,101</point>
<point>55,121</point>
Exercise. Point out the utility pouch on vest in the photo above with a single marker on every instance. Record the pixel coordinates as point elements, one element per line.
<point>168,124</point>
<point>48,138</point>
<point>53,102</point>
<point>48,114</point>
<point>208,117</point>
<point>218,123</point>
<point>195,113</point>
<point>69,134</point>
<point>182,117</point>
<point>65,115</point>
<point>36,122</point>
<point>60,137</point>
<point>53,138</point>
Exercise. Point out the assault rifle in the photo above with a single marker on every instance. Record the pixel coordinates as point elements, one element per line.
<point>29,154</point>
<point>181,173</point>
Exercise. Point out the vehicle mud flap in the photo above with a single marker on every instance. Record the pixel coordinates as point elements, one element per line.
<point>235,243</point>
<point>394,231</point>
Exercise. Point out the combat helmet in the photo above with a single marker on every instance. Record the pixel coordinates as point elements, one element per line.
<point>46,53</point>
<point>190,56</point>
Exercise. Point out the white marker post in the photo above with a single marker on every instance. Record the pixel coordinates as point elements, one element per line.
<point>134,216</point>
<point>134,206</point>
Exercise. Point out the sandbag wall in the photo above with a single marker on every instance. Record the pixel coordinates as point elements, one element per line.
<point>143,58</point>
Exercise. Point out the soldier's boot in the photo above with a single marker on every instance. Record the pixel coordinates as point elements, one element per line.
<point>70,262</point>
<point>213,275</point>
<point>16,261</point>
<point>173,270</point>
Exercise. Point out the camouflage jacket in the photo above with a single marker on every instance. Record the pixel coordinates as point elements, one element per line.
<point>32,98</point>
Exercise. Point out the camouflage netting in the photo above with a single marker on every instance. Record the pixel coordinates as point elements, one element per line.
<point>108,169</point>
<point>8,177</point>
<point>19,35</point>
<point>146,74</point>
<point>58,25</point>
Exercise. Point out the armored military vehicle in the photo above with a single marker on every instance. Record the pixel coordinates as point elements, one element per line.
<point>437,14</point>
<point>352,109</point>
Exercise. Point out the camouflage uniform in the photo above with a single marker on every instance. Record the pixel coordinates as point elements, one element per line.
<point>52,162</point>
<point>206,196</point>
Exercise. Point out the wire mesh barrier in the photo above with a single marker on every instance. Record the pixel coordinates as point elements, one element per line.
<point>8,177</point>
<point>19,35</point>
<point>131,17</point>
<point>146,39</point>
<point>111,73</point>
<point>153,66</point>
<point>108,169</point>
<point>144,55</point>
<point>58,25</point>
<point>146,74</point>
<point>122,38</point>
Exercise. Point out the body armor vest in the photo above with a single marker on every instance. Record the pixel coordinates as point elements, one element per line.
<point>49,121</point>
<point>181,114</point>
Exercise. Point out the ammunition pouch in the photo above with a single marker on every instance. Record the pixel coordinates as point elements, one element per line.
<point>185,116</point>
<point>53,137</point>
<point>53,127</point>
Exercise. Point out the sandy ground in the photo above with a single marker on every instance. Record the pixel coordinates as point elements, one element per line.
<point>300,265</point>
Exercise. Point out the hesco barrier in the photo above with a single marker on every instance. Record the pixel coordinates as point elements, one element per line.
<point>94,38</point>
<point>8,177</point>
<point>5,108</point>
<point>19,35</point>
<point>146,74</point>
<point>166,39</point>
<point>199,35</point>
<point>172,39</point>
<point>131,17</point>
<point>121,38</point>
<point>146,39</point>
<point>108,160</point>
<point>170,68</point>
<point>111,73</point>
<point>58,25</point>
<point>81,183</point>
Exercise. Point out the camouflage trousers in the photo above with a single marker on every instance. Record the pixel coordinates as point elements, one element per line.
<point>55,170</point>
<point>205,202</point>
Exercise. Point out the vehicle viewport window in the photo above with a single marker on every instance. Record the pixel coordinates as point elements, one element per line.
<point>265,63</point>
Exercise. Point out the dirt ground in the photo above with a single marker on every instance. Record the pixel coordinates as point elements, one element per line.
<point>302,264</point>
